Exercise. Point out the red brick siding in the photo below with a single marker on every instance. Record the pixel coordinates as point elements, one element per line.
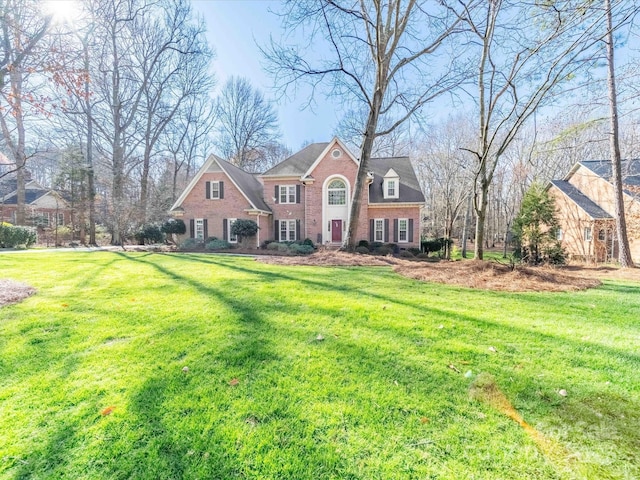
<point>196,205</point>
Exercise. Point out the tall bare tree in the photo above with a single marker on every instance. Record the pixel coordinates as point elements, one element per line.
<point>23,33</point>
<point>179,73</point>
<point>247,125</point>
<point>525,53</point>
<point>381,55</point>
<point>624,250</point>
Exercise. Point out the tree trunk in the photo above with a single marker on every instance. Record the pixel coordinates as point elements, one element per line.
<point>465,228</point>
<point>624,255</point>
<point>481,216</point>
<point>361,179</point>
<point>91,194</point>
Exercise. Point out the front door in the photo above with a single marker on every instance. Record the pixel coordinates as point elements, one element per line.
<point>336,231</point>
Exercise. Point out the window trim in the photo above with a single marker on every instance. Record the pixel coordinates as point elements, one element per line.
<point>375,229</point>
<point>392,181</point>
<point>232,238</point>
<point>217,196</point>
<point>405,230</point>
<point>287,189</point>
<point>559,234</point>
<point>289,231</point>
<point>198,222</point>
<point>60,216</point>
<point>588,234</point>
<point>335,190</point>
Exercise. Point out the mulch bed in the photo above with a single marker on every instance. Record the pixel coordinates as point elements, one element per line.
<point>13,292</point>
<point>485,275</point>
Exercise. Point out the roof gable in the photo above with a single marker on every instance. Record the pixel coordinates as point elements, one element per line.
<point>298,163</point>
<point>245,182</point>
<point>581,200</point>
<point>630,170</point>
<point>333,144</point>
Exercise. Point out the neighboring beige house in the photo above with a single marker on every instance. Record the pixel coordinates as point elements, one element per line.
<point>308,195</point>
<point>585,204</point>
<point>43,207</point>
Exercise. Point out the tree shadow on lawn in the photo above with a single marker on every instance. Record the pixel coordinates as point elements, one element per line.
<point>383,364</point>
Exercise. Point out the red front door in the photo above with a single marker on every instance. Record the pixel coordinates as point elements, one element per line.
<point>336,231</point>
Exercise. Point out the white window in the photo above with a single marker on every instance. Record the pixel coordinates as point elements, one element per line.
<point>44,219</point>
<point>378,230</point>
<point>215,190</point>
<point>60,219</point>
<point>199,233</point>
<point>337,192</point>
<point>559,234</point>
<point>587,234</point>
<point>403,230</point>
<point>232,238</point>
<point>287,194</point>
<point>391,189</point>
<point>287,230</point>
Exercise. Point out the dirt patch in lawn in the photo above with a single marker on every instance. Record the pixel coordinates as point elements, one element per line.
<point>13,292</point>
<point>486,275</point>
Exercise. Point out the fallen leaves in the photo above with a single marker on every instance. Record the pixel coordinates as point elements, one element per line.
<point>453,367</point>
<point>234,382</point>
<point>108,410</point>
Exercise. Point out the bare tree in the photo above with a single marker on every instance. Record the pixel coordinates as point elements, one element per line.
<point>520,68</point>
<point>382,56</point>
<point>247,125</point>
<point>624,252</point>
<point>187,139</point>
<point>23,32</point>
<point>180,73</point>
<point>445,172</point>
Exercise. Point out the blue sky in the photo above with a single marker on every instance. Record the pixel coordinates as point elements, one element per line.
<point>235,28</point>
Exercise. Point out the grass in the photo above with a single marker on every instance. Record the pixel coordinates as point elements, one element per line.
<point>308,373</point>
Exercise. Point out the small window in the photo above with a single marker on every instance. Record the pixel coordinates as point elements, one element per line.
<point>288,230</point>
<point>215,190</point>
<point>559,234</point>
<point>337,192</point>
<point>336,153</point>
<point>60,219</point>
<point>601,235</point>
<point>587,234</point>
<point>199,224</point>
<point>43,219</point>
<point>232,238</point>
<point>403,230</point>
<point>287,194</point>
<point>391,188</point>
<point>379,230</point>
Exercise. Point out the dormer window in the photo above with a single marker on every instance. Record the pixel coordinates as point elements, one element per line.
<point>391,185</point>
<point>391,188</point>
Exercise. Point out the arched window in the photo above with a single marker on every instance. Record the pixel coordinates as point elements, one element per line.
<point>337,192</point>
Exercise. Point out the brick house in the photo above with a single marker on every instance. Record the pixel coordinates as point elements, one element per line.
<point>585,205</point>
<point>308,195</point>
<point>43,207</point>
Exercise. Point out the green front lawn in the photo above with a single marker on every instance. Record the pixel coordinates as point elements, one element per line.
<point>308,373</point>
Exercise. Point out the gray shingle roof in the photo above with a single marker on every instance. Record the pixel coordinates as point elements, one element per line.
<point>248,183</point>
<point>410,190</point>
<point>630,171</point>
<point>298,163</point>
<point>30,196</point>
<point>580,199</point>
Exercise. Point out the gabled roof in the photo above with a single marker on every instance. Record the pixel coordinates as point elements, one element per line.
<point>409,192</point>
<point>581,200</point>
<point>630,172</point>
<point>30,196</point>
<point>247,184</point>
<point>298,163</point>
